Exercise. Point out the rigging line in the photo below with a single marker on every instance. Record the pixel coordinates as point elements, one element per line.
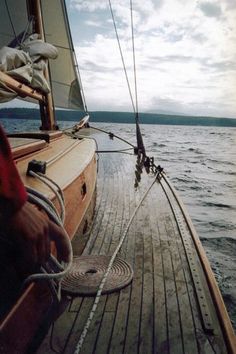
<point>76,67</point>
<point>112,135</point>
<point>122,57</point>
<point>101,286</point>
<point>134,61</point>
<point>72,49</point>
<point>78,136</point>
<point>138,131</point>
<point>139,138</point>
<point>124,151</point>
<point>31,18</point>
<point>9,15</point>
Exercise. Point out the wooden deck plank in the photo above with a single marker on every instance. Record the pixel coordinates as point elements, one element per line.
<point>121,219</point>
<point>108,229</point>
<point>201,336</point>
<point>99,212</point>
<point>119,329</point>
<point>159,311</point>
<point>78,325</point>
<point>133,324</point>
<point>89,345</point>
<point>118,230</point>
<point>115,213</point>
<point>160,320</point>
<point>103,342</point>
<point>187,324</point>
<point>189,312</point>
<point>146,328</point>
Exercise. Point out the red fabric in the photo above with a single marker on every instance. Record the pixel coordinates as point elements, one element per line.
<point>12,191</point>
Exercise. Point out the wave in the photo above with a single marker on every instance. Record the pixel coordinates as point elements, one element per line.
<point>217,205</point>
<point>219,225</point>
<point>226,242</point>
<point>158,144</point>
<point>220,162</point>
<point>221,253</point>
<point>196,150</point>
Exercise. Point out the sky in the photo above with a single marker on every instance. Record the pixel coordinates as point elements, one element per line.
<point>185,53</point>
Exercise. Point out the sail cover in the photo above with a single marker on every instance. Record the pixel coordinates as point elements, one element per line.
<point>14,23</point>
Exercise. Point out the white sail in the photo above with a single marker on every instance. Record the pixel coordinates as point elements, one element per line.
<point>65,82</point>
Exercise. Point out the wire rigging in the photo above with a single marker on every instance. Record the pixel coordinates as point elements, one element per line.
<point>121,54</point>
<point>134,60</point>
<point>10,19</point>
<point>140,144</point>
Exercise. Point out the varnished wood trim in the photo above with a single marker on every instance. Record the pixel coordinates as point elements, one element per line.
<point>47,136</point>
<point>48,122</point>
<point>21,324</point>
<point>26,149</point>
<point>22,89</point>
<point>82,123</point>
<point>18,303</point>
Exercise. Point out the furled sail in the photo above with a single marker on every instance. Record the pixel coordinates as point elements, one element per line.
<point>16,25</point>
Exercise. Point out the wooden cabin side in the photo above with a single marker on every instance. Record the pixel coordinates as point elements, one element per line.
<point>72,165</point>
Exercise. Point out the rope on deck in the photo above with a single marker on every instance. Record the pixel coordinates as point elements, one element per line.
<point>99,292</point>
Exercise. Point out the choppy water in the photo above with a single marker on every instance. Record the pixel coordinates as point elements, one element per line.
<point>201,162</point>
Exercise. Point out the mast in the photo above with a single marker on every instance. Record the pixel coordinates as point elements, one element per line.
<point>47,107</point>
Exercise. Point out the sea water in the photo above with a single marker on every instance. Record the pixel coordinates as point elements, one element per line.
<point>201,163</point>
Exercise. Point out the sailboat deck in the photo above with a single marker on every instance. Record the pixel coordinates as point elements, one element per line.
<point>168,307</point>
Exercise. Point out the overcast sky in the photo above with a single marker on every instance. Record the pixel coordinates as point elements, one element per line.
<point>185,54</point>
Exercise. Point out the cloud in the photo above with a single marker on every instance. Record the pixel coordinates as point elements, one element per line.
<point>87,5</point>
<point>210,9</point>
<point>219,66</point>
<point>166,104</point>
<point>185,55</point>
<point>94,23</point>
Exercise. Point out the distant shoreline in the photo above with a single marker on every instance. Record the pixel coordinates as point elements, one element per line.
<point>121,117</point>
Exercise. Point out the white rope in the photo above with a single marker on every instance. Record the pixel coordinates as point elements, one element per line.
<point>99,292</point>
<point>66,266</point>
<point>55,184</point>
<point>59,194</point>
<point>43,202</point>
<point>41,196</point>
<point>62,153</point>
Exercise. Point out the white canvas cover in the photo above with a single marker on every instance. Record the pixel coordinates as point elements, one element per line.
<point>26,65</point>
<point>16,24</point>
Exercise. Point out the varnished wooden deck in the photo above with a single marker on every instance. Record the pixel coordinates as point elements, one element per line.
<point>168,307</point>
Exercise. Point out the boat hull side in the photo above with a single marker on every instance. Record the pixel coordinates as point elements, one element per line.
<point>20,326</point>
